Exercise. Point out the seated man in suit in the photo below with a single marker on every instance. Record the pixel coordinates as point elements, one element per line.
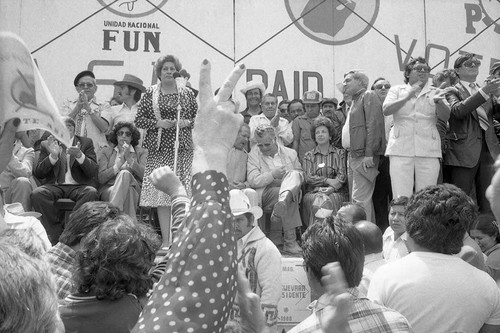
<point>69,172</point>
<point>121,168</point>
<point>276,174</point>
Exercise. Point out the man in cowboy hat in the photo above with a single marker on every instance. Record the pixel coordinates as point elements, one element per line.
<point>257,255</point>
<point>128,92</point>
<point>253,91</point>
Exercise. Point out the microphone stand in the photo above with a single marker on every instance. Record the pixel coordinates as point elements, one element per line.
<point>180,82</point>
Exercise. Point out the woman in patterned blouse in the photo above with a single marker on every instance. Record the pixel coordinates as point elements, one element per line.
<point>325,171</point>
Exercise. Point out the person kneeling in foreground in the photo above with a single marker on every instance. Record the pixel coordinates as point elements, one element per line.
<point>425,286</point>
<point>335,240</point>
<point>112,276</point>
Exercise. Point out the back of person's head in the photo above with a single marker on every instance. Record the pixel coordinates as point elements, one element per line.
<point>352,212</point>
<point>487,225</point>
<point>399,201</point>
<point>330,240</point>
<point>27,240</point>
<point>115,259</point>
<point>28,301</point>
<point>438,216</point>
<point>85,219</point>
<point>372,236</point>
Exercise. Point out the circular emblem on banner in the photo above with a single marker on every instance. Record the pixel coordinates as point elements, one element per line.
<point>132,8</point>
<point>333,22</point>
<point>491,9</point>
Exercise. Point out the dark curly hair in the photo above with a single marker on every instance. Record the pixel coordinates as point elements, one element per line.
<point>409,67</point>
<point>444,74</point>
<point>85,219</point>
<point>330,240</point>
<point>167,58</point>
<point>322,121</point>
<point>136,135</point>
<point>115,259</point>
<point>438,216</point>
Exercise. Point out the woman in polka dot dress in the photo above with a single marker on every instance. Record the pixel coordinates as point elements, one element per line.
<point>158,115</point>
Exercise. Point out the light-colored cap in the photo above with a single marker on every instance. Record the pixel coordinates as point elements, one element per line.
<point>240,204</point>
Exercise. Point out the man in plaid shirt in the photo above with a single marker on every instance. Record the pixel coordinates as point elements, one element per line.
<point>335,240</point>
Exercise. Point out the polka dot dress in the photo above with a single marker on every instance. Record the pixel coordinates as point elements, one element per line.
<point>197,291</point>
<point>164,154</point>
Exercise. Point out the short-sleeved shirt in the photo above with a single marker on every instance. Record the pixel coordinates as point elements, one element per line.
<point>437,293</point>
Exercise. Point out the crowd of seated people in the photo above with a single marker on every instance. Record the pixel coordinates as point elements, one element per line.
<point>313,168</point>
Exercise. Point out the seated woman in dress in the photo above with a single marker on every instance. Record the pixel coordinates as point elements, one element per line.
<point>112,277</point>
<point>325,172</point>
<point>486,234</point>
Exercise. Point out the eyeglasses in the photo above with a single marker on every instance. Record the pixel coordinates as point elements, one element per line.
<point>85,85</point>
<point>421,69</point>
<point>384,86</point>
<point>121,133</point>
<point>472,62</point>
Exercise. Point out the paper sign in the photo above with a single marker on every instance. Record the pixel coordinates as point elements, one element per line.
<point>23,92</point>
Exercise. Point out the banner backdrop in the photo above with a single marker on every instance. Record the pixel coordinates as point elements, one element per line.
<point>291,45</point>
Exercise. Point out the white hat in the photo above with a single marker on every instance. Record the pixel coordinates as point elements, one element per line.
<point>17,209</point>
<point>240,205</point>
<point>252,85</point>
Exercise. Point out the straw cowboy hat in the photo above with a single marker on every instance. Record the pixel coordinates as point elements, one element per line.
<point>131,80</point>
<point>252,85</point>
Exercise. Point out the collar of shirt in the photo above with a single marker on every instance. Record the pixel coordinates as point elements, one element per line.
<point>323,301</point>
<point>316,150</point>
<point>467,87</point>
<point>389,233</point>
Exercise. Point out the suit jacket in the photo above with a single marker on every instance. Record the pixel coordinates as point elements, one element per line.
<point>366,125</point>
<point>464,134</point>
<point>107,158</point>
<point>84,174</point>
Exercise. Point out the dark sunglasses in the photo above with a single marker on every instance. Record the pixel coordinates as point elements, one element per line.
<point>472,62</point>
<point>121,133</point>
<point>380,86</point>
<point>85,85</point>
<point>421,69</point>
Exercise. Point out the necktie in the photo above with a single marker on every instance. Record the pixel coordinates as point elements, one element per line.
<point>481,112</point>
<point>61,177</point>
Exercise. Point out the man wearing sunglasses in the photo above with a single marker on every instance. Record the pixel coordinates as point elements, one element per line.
<point>87,111</point>
<point>473,145</point>
<point>414,145</point>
